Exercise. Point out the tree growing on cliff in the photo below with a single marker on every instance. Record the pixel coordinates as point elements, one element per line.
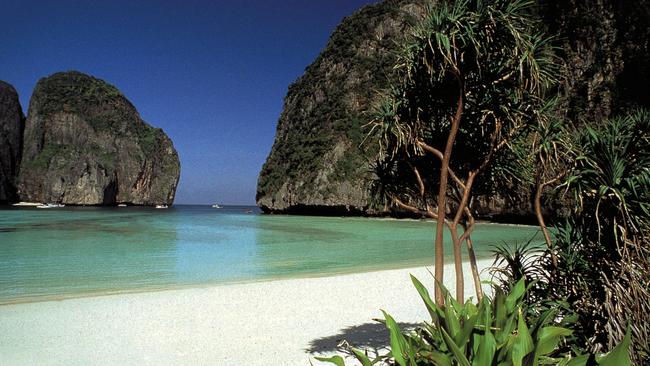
<point>473,77</point>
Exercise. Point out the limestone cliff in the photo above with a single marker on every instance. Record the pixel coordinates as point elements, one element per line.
<point>85,144</point>
<point>318,163</point>
<point>11,137</point>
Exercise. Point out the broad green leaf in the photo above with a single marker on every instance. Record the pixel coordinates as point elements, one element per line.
<point>499,309</point>
<point>486,349</point>
<point>545,318</point>
<point>337,360</point>
<point>515,295</point>
<point>451,323</point>
<point>619,356</point>
<point>365,361</point>
<point>424,294</point>
<point>577,361</point>
<point>438,358</point>
<point>548,338</point>
<point>397,341</point>
<point>522,343</point>
<point>458,354</point>
<point>462,337</point>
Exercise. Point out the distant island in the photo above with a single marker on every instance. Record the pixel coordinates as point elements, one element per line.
<point>82,143</point>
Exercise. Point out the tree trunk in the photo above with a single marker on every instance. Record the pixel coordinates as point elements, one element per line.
<point>442,199</point>
<point>472,259</point>
<point>477,278</point>
<point>458,265</point>
<point>540,221</point>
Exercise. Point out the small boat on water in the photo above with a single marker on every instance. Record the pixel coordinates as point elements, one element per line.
<point>216,206</point>
<point>51,205</point>
<point>122,205</point>
<point>162,206</point>
<point>27,204</point>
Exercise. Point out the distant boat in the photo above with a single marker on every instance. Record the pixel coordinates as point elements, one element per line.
<point>162,206</point>
<point>51,205</point>
<point>216,206</point>
<point>122,205</point>
<point>27,204</point>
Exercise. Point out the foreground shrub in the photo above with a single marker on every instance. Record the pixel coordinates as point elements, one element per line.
<point>497,331</point>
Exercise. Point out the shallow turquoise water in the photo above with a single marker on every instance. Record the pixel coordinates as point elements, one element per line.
<point>83,251</point>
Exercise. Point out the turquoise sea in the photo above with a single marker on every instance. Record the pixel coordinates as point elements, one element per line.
<point>80,251</point>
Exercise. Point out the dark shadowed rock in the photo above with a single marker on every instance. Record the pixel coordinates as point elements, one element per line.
<point>11,136</point>
<point>85,144</point>
<point>319,162</point>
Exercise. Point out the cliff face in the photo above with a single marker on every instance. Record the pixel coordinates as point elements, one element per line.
<point>316,164</point>
<point>11,137</point>
<point>85,144</point>
<point>606,46</point>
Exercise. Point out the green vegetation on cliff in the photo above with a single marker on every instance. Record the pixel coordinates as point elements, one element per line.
<point>318,139</point>
<point>85,143</point>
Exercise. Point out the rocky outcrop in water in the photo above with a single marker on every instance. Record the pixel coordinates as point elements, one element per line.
<point>11,137</point>
<point>85,144</point>
<point>319,162</point>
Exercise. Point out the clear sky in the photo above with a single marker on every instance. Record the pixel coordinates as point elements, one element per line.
<point>212,74</point>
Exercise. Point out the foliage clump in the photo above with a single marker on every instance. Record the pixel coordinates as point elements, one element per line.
<point>479,78</point>
<point>603,258</point>
<point>472,79</point>
<point>501,330</point>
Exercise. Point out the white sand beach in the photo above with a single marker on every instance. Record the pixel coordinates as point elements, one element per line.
<point>281,322</point>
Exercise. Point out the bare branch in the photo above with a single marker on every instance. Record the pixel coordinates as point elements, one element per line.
<point>437,153</point>
<point>466,195</point>
<point>414,209</point>
<point>418,177</point>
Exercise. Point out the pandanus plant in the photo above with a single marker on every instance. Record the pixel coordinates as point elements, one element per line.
<point>495,331</point>
<point>473,76</point>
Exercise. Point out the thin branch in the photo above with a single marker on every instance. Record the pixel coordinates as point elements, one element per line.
<point>418,177</point>
<point>466,195</point>
<point>437,153</point>
<point>469,227</point>
<point>503,78</point>
<point>555,179</point>
<point>414,209</point>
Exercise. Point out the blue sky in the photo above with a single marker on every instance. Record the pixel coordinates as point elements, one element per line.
<point>212,74</point>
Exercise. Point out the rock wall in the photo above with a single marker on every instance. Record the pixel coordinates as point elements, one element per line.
<point>11,137</point>
<point>320,163</point>
<point>85,144</point>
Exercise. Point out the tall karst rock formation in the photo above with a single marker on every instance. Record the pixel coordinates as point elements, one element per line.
<point>316,163</point>
<point>11,137</point>
<point>85,144</point>
<point>320,163</point>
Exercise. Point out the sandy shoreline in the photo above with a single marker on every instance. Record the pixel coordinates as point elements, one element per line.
<point>281,322</point>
